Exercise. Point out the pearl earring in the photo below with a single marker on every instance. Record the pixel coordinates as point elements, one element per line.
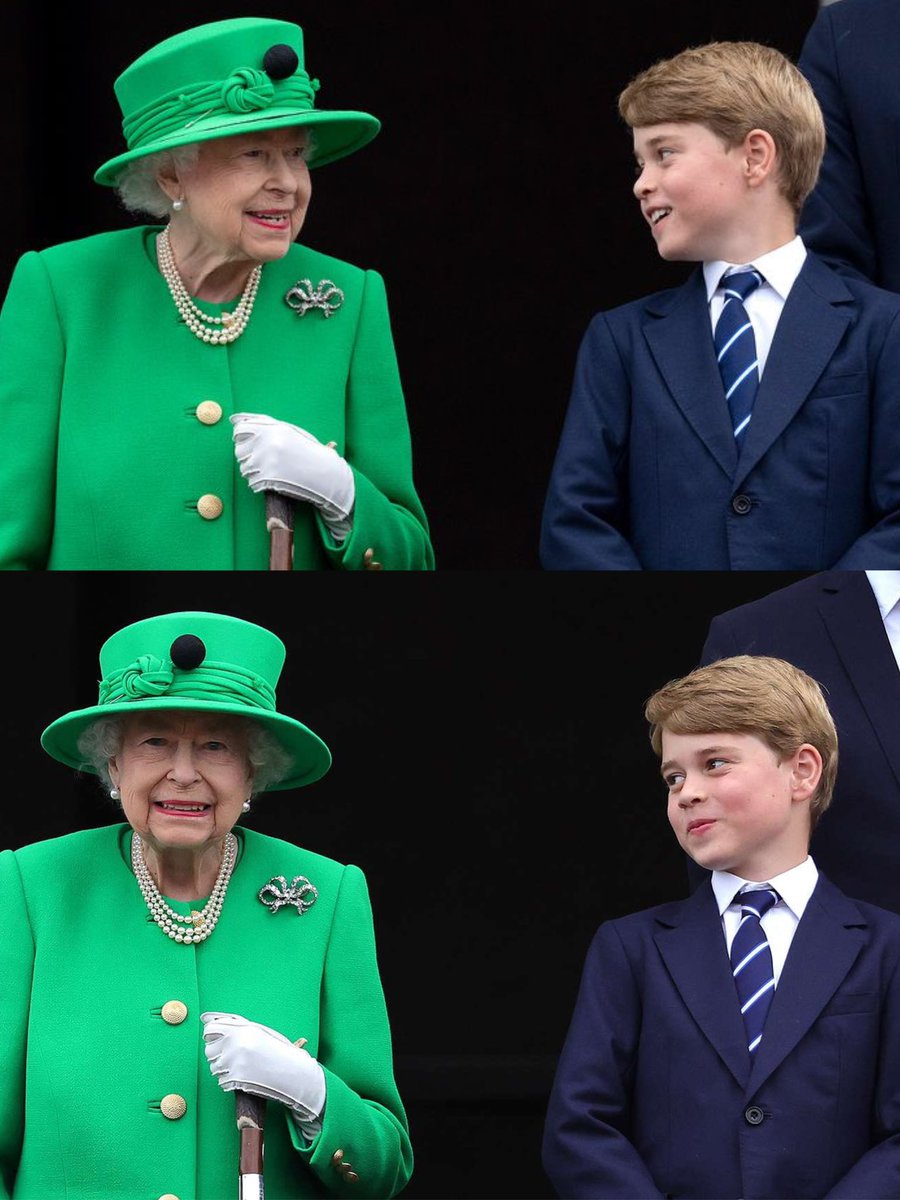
<point>115,794</point>
<point>246,806</point>
<point>177,205</point>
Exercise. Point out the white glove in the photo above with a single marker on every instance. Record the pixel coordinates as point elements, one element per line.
<point>275,456</point>
<point>254,1058</point>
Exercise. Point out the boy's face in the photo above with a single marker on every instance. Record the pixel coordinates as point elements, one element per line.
<point>693,191</point>
<point>732,804</point>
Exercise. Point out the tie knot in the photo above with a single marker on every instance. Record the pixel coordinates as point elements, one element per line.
<point>741,283</point>
<point>756,900</point>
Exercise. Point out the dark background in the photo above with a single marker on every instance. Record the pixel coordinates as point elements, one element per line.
<point>492,776</point>
<point>496,201</point>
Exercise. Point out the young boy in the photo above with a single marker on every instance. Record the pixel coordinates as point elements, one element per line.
<point>770,441</point>
<point>664,1087</point>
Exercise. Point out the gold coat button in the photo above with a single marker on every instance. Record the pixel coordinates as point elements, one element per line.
<point>209,412</point>
<point>168,1196</point>
<point>209,507</point>
<point>174,1012</point>
<point>173,1106</point>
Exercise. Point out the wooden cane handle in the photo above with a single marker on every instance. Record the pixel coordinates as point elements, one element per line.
<point>251,1113</point>
<point>280,524</point>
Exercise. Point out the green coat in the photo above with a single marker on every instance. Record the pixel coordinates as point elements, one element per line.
<point>106,454</point>
<point>87,1056</point>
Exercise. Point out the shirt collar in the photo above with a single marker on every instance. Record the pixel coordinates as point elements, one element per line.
<point>794,886</point>
<point>886,586</point>
<point>779,268</point>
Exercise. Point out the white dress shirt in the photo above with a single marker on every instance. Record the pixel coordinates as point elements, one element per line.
<point>886,586</point>
<point>779,269</point>
<point>794,888</point>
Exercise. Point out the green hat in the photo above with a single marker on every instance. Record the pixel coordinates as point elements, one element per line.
<point>224,78</point>
<point>200,661</point>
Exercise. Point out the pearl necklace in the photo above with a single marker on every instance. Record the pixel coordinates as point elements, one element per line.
<point>199,925</point>
<point>201,325</point>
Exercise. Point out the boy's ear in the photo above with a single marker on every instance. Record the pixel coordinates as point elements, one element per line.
<point>760,155</point>
<point>806,771</point>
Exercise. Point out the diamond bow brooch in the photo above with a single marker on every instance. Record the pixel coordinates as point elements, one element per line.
<point>325,295</point>
<point>278,893</point>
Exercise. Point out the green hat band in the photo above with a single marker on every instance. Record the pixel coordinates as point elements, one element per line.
<point>149,676</point>
<point>245,90</point>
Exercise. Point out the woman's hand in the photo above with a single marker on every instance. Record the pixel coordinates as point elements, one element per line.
<point>275,456</point>
<point>254,1058</point>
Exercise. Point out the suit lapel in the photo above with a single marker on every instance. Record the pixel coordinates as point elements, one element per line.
<point>692,947</point>
<point>850,612</point>
<point>679,337</point>
<point>813,321</point>
<point>825,946</point>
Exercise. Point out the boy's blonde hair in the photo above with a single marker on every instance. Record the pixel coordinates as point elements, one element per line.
<point>768,697</point>
<point>731,88</point>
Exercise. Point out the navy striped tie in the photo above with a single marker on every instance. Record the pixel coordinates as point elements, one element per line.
<point>736,349</point>
<point>751,962</point>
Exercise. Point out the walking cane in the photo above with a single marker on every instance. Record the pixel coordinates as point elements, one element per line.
<point>251,1113</point>
<point>280,524</point>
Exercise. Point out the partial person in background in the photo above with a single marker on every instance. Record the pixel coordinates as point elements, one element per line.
<point>156,381</point>
<point>850,57</point>
<point>843,629</point>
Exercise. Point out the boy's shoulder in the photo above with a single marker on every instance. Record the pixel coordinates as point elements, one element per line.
<point>658,303</point>
<point>836,285</point>
<point>643,921</point>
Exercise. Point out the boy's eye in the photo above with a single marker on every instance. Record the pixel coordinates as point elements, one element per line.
<point>715,762</point>
<point>673,779</point>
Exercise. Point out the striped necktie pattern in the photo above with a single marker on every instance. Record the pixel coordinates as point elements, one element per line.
<point>751,962</point>
<point>735,345</point>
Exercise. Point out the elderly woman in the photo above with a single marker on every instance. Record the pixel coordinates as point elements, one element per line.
<point>134,953</point>
<point>158,383</point>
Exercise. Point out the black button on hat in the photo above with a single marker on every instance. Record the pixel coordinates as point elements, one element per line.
<point>280,61</point>
<point>187,652</point>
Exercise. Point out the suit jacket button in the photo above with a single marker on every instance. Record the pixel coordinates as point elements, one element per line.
<point>741,504</point>
<point>754,1115</point>
<point>174,1012</point>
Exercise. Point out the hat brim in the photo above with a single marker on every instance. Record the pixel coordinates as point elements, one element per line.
<point>337,134</point>
<point>311,757</point>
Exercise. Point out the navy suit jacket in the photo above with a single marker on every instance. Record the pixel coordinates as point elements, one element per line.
<point>830,627</point>
<point>647,475</point>
<point>655,1095</point>
<point>850,57</point>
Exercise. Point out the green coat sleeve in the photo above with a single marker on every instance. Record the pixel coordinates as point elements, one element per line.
<point>16,964</point>
<point>388,516</point>
<point>31,351</point>
<point>363,1115</point>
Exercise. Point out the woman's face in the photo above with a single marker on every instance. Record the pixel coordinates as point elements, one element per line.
<point>246,196</point>
<point>183,777</point>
